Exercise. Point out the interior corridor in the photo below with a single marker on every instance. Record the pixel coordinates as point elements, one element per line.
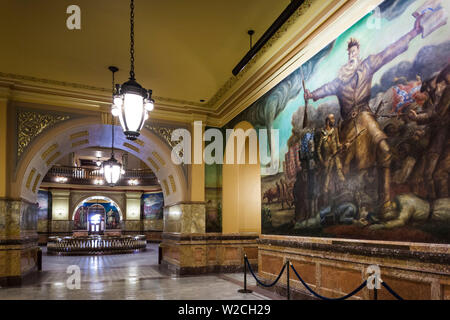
<point>127,276</point>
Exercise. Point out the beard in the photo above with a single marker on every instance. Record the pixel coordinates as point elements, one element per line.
<point>348,70</point>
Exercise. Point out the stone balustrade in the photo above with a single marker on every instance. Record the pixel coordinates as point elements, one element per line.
<point>95,245</point>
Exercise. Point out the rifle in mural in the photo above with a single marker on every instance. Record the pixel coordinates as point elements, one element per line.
<point>305,115</point>
<point>349,143</point>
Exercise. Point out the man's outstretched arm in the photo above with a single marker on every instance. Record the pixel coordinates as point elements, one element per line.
<point>378,60</point>
<point>328,89</point>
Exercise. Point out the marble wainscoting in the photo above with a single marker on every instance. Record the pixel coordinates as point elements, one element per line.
<point>153,230</point>
<point>334,267</point>
<point>185,218</point>
<point>132,227</point>
<point>18,241</point>
<point>207,252</point>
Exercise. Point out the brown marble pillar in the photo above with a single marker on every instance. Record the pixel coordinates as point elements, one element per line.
<point>18,241</point>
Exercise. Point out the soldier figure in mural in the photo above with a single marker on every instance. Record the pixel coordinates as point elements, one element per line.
<point>327,152</point>
<point>309,160</point>
<point>437,117</point>
<point>353,90</point>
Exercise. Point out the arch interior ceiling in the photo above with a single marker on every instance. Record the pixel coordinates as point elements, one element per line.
<point>148,149</point>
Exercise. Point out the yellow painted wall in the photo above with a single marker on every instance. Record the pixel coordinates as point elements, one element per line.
<point>197,170</point>
<point>133,206</point>
<point>241,193</point>
<point>3,147</point>
<point>60,204</point>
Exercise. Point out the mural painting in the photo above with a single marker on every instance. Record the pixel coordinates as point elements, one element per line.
<point>213,197</point>
<point>213,194</point>
<point>363,128</point>
<point>111,211</point>
<point>44,199</point>
<point>152,206</point>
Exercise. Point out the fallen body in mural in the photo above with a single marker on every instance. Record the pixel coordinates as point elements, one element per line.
<point>409,210</point>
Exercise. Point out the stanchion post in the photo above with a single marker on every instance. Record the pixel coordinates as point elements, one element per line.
<point>288,264</point>
<point>245,290</point>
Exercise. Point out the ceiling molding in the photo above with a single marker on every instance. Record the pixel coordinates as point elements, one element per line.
<point>78,86</point>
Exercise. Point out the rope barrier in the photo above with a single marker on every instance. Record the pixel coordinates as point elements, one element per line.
<point>361,286</point>
<point>391,291</point>
<point>262,283</point>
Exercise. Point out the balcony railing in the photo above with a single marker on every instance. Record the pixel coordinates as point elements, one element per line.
<point>95,245</point>
<point>93,176</point>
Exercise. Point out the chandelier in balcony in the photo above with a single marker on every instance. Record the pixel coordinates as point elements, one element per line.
<point>131,102</point>
<point>112,169</point>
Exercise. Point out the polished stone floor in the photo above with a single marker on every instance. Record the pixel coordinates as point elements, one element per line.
<point>129,276</point>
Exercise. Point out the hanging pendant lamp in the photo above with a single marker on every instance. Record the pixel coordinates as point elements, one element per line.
<point>112,169</point>
<point>131,101</point>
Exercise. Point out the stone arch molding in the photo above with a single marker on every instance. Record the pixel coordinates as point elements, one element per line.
<point>74,135</point>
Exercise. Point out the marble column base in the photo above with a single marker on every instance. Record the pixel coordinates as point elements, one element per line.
<point>207,252</point>
<point>18,241</point>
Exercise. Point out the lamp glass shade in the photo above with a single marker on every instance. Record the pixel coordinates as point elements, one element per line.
<point>115,111</point>
<point>131,117</point>
<point>149,105</point>
<point>112,171</point>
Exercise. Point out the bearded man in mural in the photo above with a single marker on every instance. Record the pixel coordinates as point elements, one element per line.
<point>353,89</point>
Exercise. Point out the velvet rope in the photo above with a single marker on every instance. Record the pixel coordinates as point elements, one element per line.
<point>262,283</point>
<point>391,291</point>
<point>325,298</point>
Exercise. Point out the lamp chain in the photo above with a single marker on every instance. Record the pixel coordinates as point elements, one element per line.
<point>112,133</point>
<point>132,40</point>
<point>112,117</point>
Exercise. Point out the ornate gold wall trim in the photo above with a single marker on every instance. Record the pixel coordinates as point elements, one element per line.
<point>130,146</point>
<point>80,143</point>
<point>50,149</point>
<point>30,177</point>
<point>79,134</point>
<point>153,163</point>
<point>30,124</point>
<point>165,133</point>
<point>53,158</point>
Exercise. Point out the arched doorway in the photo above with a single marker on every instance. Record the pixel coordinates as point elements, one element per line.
<point>96,218</point>
<point>109,215</point>
<point>79,134</point>
<point>241,191</point>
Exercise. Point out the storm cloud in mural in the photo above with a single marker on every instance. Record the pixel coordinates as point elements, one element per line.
<point>372,161</point>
